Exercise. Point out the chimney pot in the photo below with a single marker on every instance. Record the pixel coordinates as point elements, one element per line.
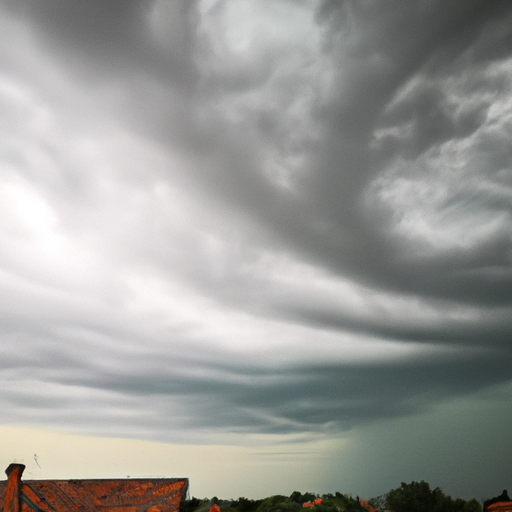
<point>12,501</point>
<point>15,466</point>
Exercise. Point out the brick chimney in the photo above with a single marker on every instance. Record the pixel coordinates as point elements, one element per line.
<point>13,490</point>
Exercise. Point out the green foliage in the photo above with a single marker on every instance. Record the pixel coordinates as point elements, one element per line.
<point>472,505</point>
<point>345,502</point>
<point>330,503</point>
<point>279,503</point>
<point>418,497</point>
<point>297,497</point>
<point>191,504</point>
<point>339,503</point>
<point>413,497</point>
<point>246,505</point>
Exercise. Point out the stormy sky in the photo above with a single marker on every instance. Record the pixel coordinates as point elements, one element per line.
<point>261,224</point>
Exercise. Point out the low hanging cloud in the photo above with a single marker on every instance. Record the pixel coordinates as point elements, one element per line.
<point>252,217</point>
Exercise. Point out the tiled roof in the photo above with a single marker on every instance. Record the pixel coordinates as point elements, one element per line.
<point>500,506</point>
<point>123,495</point>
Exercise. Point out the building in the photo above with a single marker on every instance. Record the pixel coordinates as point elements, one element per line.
<point>110,495</point>
<point>501,503</point>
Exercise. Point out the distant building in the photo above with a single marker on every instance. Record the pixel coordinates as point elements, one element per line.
<point>111,495</point>
<point>501,503</point>
<point>366,505</point>
<point>317,501</point>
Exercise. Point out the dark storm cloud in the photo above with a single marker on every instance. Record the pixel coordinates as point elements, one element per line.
<point>390,51</point>
<point>493,329</point>
<point>307,400</point>
<point>283,219</point>
<point>399,48</point>
<point>102,39</point>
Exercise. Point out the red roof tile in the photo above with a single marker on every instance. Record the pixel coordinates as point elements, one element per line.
<point>122,495</point>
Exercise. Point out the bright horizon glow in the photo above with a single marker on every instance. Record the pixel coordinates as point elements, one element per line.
<point>212,470</point>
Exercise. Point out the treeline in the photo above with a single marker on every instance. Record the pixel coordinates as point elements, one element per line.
<point>294,503</point>
<point>413,497</point>
<point>418,497</point>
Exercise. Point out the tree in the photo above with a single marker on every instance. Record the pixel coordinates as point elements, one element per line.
<point>472,506</point>
<point>418,497</point>
<point>191,505</point>
<point>415,497</point>
<point>245,504</point>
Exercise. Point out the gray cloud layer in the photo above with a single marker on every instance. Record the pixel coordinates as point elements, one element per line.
<point>252,217</point>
